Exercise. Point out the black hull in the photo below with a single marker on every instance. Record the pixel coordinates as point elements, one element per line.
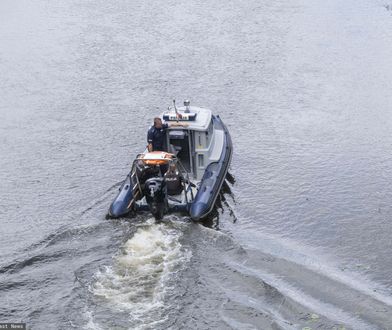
<point>213,178</point>
<point>123,203</point>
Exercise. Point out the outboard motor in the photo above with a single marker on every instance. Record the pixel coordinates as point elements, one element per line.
<point>155,191</point>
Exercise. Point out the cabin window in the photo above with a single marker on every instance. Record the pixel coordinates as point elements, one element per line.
<point>200,160</point>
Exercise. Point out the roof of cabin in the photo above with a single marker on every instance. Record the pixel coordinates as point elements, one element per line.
<point>202,119</point>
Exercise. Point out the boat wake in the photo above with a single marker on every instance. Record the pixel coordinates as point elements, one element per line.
<point>142,276</point>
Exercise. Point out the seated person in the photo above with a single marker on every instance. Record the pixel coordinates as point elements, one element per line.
<point>173,180</point>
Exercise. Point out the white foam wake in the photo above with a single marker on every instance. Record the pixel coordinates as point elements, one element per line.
<point>143,273</point>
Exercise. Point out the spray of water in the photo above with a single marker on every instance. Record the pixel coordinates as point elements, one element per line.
<point>143,274</point>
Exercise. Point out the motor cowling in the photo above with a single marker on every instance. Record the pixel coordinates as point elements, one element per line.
<point>155,191</point>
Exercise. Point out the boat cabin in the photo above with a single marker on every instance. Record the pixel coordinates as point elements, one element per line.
<point>187,176</point>
<point>196,145</point>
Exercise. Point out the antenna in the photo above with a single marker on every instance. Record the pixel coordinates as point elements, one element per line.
<point>174,105</point>
<point>175,109</point>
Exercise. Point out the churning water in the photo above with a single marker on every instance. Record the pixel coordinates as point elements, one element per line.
<point>143,275</point>
<point>301,238</point>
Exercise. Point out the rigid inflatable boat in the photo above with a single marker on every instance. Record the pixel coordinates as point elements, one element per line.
<point>200,154</point>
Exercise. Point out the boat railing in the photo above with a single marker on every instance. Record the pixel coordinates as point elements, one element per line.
<point>187,183</point>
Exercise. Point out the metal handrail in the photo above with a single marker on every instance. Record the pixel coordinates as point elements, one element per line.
<point>186,181</point>
<point>137,177</point>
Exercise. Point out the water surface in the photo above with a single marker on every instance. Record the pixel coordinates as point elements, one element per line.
<point>300,240</point>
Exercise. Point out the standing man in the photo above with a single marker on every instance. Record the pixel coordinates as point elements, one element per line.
<point>157,133</point>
